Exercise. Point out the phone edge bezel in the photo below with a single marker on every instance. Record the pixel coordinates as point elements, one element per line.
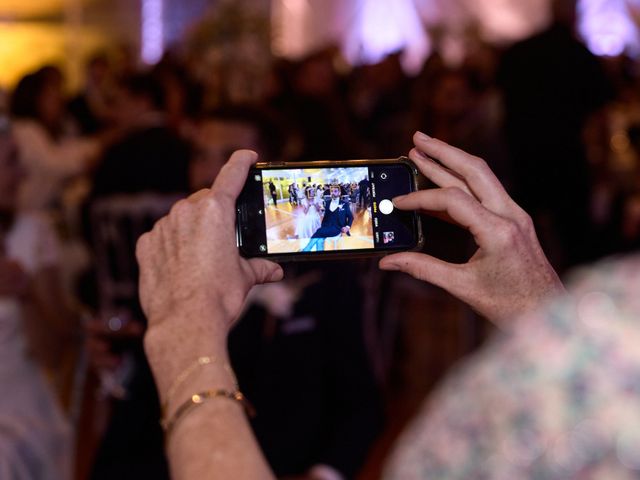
<point>352,254</point>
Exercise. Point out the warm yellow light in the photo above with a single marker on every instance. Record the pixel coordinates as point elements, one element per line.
<point>25,8</point>
<point>25,46</point>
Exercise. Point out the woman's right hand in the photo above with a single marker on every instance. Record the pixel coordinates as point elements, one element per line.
<point>509,273</point>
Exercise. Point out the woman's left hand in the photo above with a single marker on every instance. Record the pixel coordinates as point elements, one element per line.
<point>193,281</point>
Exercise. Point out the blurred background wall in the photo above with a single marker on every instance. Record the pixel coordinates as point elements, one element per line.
<point>62,32</point>
<point>65,32</point>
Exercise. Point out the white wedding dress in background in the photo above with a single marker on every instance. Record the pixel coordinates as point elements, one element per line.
<point>308,223</point>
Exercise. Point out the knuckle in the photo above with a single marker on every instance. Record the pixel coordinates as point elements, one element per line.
<point>478,162</point>
<point>456,194</point>
<point>158,226</point>
<point>179,208</point>
<point>478,166</point>
<point>224,194</point>
<point>200,194</point>
<point>222,199</point>
<point>214,204</point>
<point>525,221</point>
<point>508,232</point>
<point>142,245</point>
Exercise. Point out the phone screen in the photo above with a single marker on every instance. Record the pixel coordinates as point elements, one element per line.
<point>287,211</point>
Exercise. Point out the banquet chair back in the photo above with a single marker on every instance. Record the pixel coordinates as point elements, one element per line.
<point>117,221</point>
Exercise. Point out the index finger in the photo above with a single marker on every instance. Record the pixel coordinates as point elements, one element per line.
<point>233,175</point>
<point>475,172</point>
<point>460,206</point>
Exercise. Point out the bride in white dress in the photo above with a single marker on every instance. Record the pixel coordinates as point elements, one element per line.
<point>309,220</point>
<point>35,437</point>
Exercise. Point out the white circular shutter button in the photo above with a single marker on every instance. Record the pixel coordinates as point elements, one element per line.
<point>386,207</point>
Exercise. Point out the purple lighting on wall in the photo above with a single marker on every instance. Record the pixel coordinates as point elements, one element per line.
<point>384,27</point>
<point>607,27</point>
<point>152,31</point>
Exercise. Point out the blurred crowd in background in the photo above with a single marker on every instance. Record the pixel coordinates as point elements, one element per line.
<point>559,126</point>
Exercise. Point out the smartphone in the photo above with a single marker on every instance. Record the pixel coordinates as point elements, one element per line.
<point>323,210</point>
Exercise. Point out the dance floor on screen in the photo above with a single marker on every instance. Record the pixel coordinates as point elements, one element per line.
<point>282,224</point>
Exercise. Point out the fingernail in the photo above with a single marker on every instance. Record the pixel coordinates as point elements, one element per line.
<point>398,198</point>
<point>423,136</point>
<point>421,154</point>
<point>276,275</point>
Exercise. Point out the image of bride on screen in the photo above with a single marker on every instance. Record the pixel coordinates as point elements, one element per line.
<point>309,219</point>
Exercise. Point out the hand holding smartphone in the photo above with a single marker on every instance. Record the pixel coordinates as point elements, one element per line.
<point>322,210</point>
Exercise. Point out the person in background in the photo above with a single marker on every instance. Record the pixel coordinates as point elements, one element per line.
<point>364,192</point>
<point>36,329</point>
<point>317,111</point>
<point>552,85</point>
<point>150,145</point>
<point>220,132</point>
<point>320,193</point>
<point>273,192</point>
<point>92,107</point>
<point>308,221</point>
<point>49,156</point>
<point>183,96</point>
<point>292,198</point>
<point>380,104</point>
<point>151,159</point>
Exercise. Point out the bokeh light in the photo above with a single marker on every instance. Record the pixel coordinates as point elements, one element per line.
<point>607,26</point>
<point>384,27</point>
<point>152,31</point>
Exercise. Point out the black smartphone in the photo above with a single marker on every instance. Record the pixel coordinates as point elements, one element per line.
<point>321,210</point>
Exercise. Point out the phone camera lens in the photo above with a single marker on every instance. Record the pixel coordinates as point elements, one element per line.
<point>384,176</point>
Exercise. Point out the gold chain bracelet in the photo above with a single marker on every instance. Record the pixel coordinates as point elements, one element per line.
<point>180,379</point>
<point>199,398</point>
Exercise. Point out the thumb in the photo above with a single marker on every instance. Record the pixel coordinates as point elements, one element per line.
<point>266,271</point>
<point>426,268</point>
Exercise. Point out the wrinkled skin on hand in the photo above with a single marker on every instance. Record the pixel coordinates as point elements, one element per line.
<point>193,281</point>
<point>509,273</point>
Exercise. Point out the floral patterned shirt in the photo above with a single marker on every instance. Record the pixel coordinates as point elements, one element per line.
<point>557,398</point>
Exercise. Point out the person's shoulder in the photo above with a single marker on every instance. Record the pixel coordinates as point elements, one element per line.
<point>617,277</point>
<point>602,302</point>
<point>571,360</point>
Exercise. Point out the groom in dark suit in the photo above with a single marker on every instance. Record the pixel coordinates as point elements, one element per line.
<point>337,219</point>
